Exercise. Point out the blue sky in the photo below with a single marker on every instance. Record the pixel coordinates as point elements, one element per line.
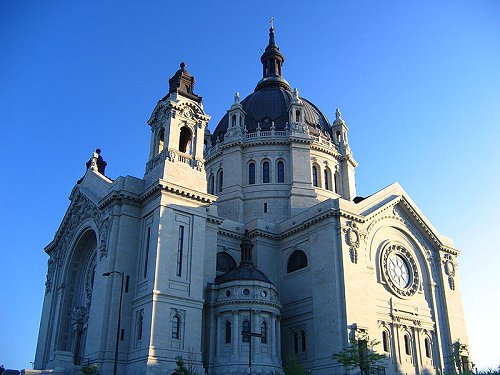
<point>417,82</point>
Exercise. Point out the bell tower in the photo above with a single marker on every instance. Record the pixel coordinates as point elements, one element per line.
<point>178,125</point>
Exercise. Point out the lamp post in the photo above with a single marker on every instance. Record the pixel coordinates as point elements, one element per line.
<point>119,318</point>
<point>250,334</point>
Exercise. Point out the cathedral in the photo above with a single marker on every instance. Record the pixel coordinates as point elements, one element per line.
<point>244,247</point>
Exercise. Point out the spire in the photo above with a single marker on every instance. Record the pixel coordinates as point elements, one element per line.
<point>272,61</point>
<point>246,247</point>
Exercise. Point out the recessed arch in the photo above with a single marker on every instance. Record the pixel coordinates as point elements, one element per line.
<point>225,262</point>
<point>185,140</point>
<point>296,261</point>
<point>79,279</point>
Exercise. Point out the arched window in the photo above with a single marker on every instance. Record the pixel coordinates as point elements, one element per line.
<point>407,344</point>
<point>385,341</point>
<point>185,140</point>
<point>315,175</point>
<point>428,349</point>
<point>176,328</point>
<point>225,262</point>
<point>246,328</point>
<point>328,179</point>
<point>161,140</point>
<point>139,324</point>
<point>303,335</point>
<point>220,181</point>
<point>233,120</point>
<point>297,115</point>
<point>281,171</point>
<point>265,172</point>
<point>211,184</point>
<point>337,182</point>
<point>251,173</point>
<point>228,332</point>
<point>263,333</point>
<point>295,342</point>
<point>297,260</point>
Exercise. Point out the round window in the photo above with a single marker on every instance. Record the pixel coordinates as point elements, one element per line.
<point>228,293</point>
<point>246,292</point>
<point>400,270</point>
<point>263,293</point>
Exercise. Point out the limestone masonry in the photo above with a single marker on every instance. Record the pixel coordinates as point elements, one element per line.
<point>242,248</point>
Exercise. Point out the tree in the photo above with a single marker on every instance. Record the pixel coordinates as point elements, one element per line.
<point>293,366</point>
<point>360,354</point>
<point>90,370</point>
<point>184,368</point>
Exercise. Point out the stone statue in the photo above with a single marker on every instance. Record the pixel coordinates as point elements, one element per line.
<point>96,162</point>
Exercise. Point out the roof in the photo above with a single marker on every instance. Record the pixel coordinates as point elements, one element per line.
<point>269,105</point>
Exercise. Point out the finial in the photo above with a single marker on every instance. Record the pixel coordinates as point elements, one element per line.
<point>236,97</point>
<point>272,43</point>
<point>338,114</point>
<point>296,93</point>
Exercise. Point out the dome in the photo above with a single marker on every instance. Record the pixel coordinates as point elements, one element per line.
<point>242,273</point>
<point>270,104</point>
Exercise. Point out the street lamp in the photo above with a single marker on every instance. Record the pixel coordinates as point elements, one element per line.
<point>119,318</point>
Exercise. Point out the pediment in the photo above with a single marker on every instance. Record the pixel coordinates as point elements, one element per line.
<point>393,203</point>
<point>80,209</point>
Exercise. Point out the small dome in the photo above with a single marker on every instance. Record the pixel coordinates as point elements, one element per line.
<point>269,105</point>
<point>242,273</point>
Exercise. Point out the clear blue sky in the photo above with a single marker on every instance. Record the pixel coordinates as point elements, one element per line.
<point>418,83</point>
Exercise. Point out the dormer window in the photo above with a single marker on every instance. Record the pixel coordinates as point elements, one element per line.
<point>297,115</point>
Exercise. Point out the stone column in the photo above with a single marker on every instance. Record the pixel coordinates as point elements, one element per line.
<point>236,335</point>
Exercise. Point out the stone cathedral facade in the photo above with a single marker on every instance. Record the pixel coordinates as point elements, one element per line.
<point>243,247</point>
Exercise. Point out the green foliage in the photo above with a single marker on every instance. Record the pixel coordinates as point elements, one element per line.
<point>360,355</point>
<point>90,370</point>
<point>182,368</point>
<point>293,366</point>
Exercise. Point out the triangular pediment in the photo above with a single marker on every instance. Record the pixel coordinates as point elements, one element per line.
<point>81,208</point>
<point>394,202</point>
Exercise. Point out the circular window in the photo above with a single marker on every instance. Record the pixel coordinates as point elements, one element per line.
<point>263,294</point>
<point>400,270</point>
<point>246,292</point>
<point>228,293</point>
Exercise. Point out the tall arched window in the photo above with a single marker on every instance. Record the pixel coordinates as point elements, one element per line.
<point>228,332</point>
<point>176,328</point>
<point>407,344</point>
<point>251,173</point>
<point>385,341</point>
<point>303,336</point>
<point>211,184</point>
<point>161,140</point>
<point>315,175</point>
<point>185,140</point>
<point>281,171</point>
<point>246,328</point>
<point>295,342</point>
<point>220,181</point>
<point>263,333</point>
<point>297,260</point>
<point>428,349</point>
<point>297,115</point>
<point>336,179</point>
<point>233,120</point>
<point>328,179</point>
<point>265,172</point>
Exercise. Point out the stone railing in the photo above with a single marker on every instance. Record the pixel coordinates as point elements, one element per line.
<point>174,156</point>
<point>262,135</point>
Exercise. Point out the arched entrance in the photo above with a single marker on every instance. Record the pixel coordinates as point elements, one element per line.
<point>77,296</point>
